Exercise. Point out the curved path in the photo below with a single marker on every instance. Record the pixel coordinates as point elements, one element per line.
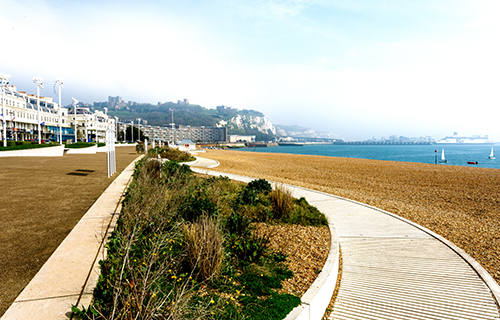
<point>395,269</point>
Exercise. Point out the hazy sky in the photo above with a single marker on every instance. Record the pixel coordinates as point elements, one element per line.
<point>355,68</point>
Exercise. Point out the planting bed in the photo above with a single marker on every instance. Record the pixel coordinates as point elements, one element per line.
<point>190,247</point>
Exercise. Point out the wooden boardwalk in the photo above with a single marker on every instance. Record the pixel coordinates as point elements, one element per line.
<point>394,269</point>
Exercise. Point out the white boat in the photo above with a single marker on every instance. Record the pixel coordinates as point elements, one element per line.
<point>458,139</point>
<point>492,154</point>
<point>443,158</point>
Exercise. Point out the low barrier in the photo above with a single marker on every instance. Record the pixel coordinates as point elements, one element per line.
<point>55,151</point>
<point>89,150</point>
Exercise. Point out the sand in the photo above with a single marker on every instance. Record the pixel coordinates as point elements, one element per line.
<point>459,203</point>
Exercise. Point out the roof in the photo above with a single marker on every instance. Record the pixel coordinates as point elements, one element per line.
<point>186,141</point>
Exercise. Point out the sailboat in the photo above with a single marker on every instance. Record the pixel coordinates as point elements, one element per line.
<point>492,154</point>
<point>443,158</point>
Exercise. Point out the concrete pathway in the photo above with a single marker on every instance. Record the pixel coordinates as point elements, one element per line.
<point>395,269</point>
<point>71,273</point>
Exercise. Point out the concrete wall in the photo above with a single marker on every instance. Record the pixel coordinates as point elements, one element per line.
<point>56,151</point>
<point>89,150</point>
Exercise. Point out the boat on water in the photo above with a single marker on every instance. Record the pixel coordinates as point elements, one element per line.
<point>443,158</point>
<point>492,154</point>
<point>458,139</point>
<point>471,162</point>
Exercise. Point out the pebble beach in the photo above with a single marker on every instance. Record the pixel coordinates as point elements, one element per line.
<point>459,203</point>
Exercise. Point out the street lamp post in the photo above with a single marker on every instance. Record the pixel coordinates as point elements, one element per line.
<point>117,128</point>
<point>4,79</point>
<point>173,125</point>
<point>132,129</point>
<point>86,129</point>
<point>39,83</point>
<point>60,84</point>
<point>75,102</point>
<point>139,127</point>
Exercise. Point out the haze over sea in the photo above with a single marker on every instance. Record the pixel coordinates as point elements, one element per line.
<point>455,154</point>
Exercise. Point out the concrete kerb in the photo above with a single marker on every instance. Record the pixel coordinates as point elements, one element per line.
<point>70,274</point>
<point>317,298</point>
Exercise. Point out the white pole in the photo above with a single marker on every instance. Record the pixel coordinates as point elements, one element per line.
<point>139,126</point>
<point>60,84</point>
<point>86,129</point>
<point>75,102</point>
<point>39,83</point>
<point>4,78</point>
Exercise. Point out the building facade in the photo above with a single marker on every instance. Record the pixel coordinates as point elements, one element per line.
<point>24,114</point>
<point>178,133</point>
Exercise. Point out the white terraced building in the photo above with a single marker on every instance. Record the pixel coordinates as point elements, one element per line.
<point>178,133</point>
<point>21,119</point>
<point>91,125</point>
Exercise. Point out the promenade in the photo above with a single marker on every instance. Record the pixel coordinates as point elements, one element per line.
<point>43,198</point>
<point>393,268</point>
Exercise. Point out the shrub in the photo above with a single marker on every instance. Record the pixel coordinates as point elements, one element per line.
<point>194,207</point>
<point>173,154</point>
<point>203,245</point>
<point>306,215</point>
<point>260,185</point>
<point>281,202</point>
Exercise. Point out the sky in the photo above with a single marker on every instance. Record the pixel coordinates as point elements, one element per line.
<point>355,68</point>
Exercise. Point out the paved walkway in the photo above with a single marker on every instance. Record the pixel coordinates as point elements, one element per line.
<point>70,274</point>
<point>394,269</point>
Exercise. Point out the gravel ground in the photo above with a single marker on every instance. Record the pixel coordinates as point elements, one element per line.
<point>305,260</point>
<point>460,203</point>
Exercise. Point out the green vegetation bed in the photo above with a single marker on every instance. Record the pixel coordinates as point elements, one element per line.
<point>78,145</point>
<point>23,145</point>
<point>171,154</point>
<point>185,248</point>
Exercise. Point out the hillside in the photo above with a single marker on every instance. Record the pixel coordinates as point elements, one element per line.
<point>242,122</point>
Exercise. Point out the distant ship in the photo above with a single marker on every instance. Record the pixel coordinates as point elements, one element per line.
<point>456,139</point>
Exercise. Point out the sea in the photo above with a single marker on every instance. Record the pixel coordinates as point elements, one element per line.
<point>456,155</point>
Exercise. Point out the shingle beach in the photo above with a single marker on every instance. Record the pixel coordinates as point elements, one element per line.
<point>459,203</point>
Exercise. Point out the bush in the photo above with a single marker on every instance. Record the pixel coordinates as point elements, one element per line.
<point>260,185</point>
<point>194,207</point>
<point>173,154</point>
<point>305,214</point>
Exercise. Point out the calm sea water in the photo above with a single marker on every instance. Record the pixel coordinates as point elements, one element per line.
<point>455,154</point>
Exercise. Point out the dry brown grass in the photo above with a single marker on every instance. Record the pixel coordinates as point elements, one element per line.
<point>281,201</point>
<point>460,203</point>
<point>203,243</point>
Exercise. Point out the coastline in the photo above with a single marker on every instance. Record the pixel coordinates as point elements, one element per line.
<point>462,204</point>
